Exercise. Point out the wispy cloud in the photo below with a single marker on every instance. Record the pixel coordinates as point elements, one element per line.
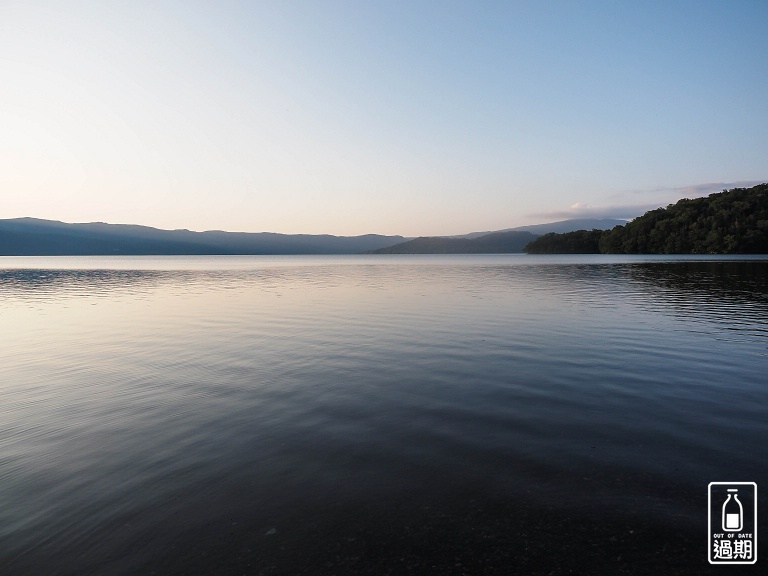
<point>662,196</point>
<point>579,210</point>
<point>690,191</point>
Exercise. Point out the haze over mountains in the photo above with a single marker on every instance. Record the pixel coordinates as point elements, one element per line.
<point>559,227</point>
<point>36,237</point>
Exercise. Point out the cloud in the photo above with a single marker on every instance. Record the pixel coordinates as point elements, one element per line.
<point>626,211</point>
<point>580,210</point>
<point>692,190</point>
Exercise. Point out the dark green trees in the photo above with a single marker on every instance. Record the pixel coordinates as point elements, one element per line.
<point>729,222</point>
<point>578,242</point>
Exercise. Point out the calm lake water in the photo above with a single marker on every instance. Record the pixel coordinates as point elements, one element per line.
<point>503,414</point>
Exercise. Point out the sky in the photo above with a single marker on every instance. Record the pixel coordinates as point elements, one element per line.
<point>354,117</point>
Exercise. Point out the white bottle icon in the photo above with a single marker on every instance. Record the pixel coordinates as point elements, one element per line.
<point>733,513</point>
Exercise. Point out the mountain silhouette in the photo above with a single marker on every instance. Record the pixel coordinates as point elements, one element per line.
<point>35,237</point>
<point>494,243</point>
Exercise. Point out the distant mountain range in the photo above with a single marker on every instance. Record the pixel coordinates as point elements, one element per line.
<point>506,241</point>
<point>494,243</point>
<point>559,227</point>
<point>33,237</point>
<point>36,237</point>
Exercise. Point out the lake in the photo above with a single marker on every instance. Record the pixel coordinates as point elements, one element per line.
<point>503,414</point>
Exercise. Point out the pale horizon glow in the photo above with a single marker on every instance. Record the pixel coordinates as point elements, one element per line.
<point>347,118</point>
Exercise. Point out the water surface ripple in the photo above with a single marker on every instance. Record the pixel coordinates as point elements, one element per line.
<point>374,415</point>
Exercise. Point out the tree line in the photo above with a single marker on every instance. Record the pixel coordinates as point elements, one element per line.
<point>728,222</point>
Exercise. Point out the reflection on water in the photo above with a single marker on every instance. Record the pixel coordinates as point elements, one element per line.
<point>36,285</point>
<point>355,415</point>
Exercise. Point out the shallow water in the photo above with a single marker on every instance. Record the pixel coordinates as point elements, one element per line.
<point>374,415</point>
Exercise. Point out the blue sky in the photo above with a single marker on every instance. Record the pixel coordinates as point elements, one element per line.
<point>352,117</point>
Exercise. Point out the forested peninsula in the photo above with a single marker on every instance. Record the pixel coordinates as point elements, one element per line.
<point>728,222</point>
